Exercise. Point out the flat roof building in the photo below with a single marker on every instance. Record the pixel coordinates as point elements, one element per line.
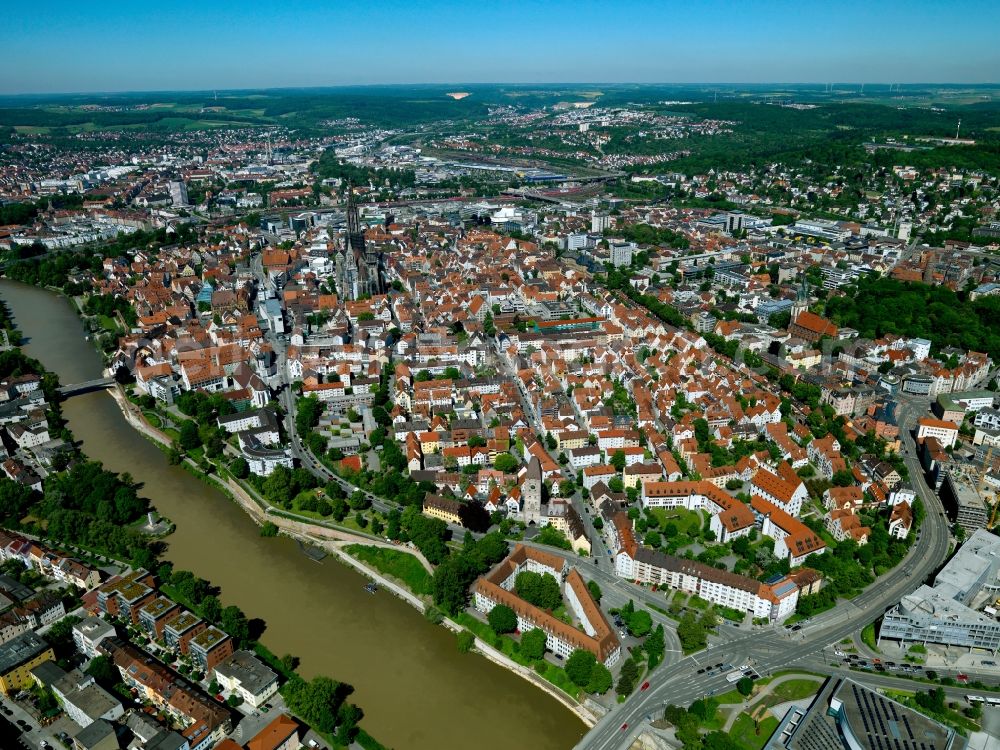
<point>845,715</point>
<point>947,613</point>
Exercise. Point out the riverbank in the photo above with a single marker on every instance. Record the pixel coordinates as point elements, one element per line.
<point>416,688</point>
<point>333,541</point>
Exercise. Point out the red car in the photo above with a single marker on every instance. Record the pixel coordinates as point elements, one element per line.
<point>962,677</point>
<point>644,685</point>
<point>624,727</point>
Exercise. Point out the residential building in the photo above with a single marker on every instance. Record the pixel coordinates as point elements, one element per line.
<point>210,647</point>
<point>772,601</point>
<point>125,596</point>
<point>946,433</point>
<point>244,675</point>
<point>89,632</point>
<point>155,614</point>
<point>446,509</point>
<point>792,538</point>
<point>281,734</point>
<point>594,635</point>
<point>84,700</point>
<point>204,721</point>
<point>180,629</point>
<point>18,657</point>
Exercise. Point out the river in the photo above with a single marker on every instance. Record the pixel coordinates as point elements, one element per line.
<point>417,691</point>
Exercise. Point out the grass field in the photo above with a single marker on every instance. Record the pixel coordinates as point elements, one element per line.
<point>400,565</point>
<point>732,696</point>
<point>868,636</point>
<point>746,736</point>
<point>687,521</point>
<point>793,690</point>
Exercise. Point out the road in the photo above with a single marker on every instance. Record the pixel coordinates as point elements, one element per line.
<point>35,734</point>
<point>774,649</point>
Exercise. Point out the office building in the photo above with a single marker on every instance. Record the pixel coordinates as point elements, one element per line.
<point>845,715</point>
<point>951,612</point>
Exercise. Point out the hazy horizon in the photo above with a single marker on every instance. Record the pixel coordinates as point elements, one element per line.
<point>67,48</point>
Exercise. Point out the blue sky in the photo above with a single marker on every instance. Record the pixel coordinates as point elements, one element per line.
<point>60,46</point>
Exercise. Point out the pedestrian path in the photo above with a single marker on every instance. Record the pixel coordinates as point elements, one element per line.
<point>756,698</point>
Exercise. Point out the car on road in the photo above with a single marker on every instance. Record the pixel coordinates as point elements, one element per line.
<point>701,671</point>
<point>989,663</point>
<point>624,726</point>
<point>645,685</point>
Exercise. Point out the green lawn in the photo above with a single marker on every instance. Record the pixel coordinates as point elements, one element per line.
<point>400,565</point>
<point>746,736</point>
<point>733,696</point>
<point>687,521</point>
<point>153,419</point>
<point>793,690</point>
<point>107,323</point>
<point>868,637</point>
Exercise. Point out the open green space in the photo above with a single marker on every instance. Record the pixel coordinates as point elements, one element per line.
<point>752,735</point>
<point>400,565</point>
<point>793,690</point>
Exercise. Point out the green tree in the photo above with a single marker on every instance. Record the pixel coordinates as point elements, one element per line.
<point>600,680</point>
<point>745,686</point>
<point>317,702</point>
<point>595,591</point>
<point>691,633</point>
<point>627,677</point>
<point>102,669</point>
<point>502,619</point>
<point>505,462</point>
<point>189,438</point>
<point>639,623</point>
<point>533,643</point>
<point>579,667</point>
<point>618,460</point>
<point>540,589</point>
<point>240,468</point>
<point>655,646</point>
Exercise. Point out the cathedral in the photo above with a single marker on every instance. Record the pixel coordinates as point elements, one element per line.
<point>358,267</point>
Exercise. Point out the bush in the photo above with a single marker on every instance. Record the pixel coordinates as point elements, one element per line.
<point>465,641</point>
